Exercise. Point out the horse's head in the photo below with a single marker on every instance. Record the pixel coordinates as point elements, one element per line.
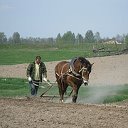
<point>84,69</point>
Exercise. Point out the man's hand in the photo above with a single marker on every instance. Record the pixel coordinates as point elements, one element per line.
<point>29,79</point>
<point>45,79</point>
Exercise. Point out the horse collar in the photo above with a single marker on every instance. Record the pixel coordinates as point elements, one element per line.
<point>71,67</point>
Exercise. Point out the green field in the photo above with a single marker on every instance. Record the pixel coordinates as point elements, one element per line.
<point>25,53</point>
<point>15,87</point>
<point>12,87</point>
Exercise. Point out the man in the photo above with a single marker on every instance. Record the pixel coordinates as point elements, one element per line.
<point>36,71</point>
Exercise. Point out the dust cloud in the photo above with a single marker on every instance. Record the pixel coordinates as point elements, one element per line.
<point>95,94</point>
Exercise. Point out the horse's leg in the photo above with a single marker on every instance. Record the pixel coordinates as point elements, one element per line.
<point>74,90</point>
<point>61,90</point>
<point>62,97</point>
<point>61,93</point>
<point>74,98</point>
<point>75,93</point>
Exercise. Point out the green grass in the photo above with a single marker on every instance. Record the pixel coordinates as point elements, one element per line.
<point>15,87</point>
<point>12,87</point>
<point>19,56</point>
<point>25,53</point>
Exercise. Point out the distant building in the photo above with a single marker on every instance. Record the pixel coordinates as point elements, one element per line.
<point>111,42</point>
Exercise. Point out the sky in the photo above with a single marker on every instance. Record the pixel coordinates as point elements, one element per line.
<point>48,18</point>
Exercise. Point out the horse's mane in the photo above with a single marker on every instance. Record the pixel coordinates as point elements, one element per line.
<point>85,61</point>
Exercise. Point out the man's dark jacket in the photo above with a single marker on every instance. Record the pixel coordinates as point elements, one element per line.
<point>31,70</point>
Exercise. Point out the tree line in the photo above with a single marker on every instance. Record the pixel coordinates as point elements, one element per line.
<point>67,38</point>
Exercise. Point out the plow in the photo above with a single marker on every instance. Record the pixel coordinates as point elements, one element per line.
<point>51,97</point>
<point>50,86</point>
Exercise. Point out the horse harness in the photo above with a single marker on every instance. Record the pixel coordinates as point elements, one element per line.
<point>71,72</point>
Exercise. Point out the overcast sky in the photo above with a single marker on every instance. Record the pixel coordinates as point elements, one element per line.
<point>47,18</point>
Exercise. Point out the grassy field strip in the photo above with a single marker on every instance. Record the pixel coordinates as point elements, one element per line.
<point>13,87</point>
<point>25,53</point>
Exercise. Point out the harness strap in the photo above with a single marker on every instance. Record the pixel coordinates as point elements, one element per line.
<point>71,67</point>
<point>74,76</point>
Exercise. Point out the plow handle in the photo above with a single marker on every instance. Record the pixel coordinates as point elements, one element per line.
<point>45,91</point>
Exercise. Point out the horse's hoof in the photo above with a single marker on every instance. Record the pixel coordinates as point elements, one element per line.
<point>61,101</point>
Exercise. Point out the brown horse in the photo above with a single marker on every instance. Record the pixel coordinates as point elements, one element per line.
<point>73,73</point>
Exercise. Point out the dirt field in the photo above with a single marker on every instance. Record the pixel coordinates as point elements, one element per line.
<point>41,113</point>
